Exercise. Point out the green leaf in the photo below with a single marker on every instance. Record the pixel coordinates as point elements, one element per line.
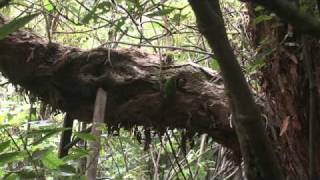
<point>48,5</point>
<point>85,136</point>
<point>51,161</point>
<point>214,65</point>
<point>47,135</point>
<point>120,23</point>
<point>101,126</point>
<point>90,15</point>
<point>104,6</point>
<point>39,153</point>
<point>46,130</point>
<point>11,156</point>
<point>4,126</point>
<point>26,174</point>
<point>262,18</point>
<point>170,88</point>
<point>10,176</point>
<point>65,171</point>
<point>15,24</point>
<point>259,8</point>
<point>4,145</point>
<point>76,154</point>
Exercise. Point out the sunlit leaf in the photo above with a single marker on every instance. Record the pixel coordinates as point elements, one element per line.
<point>51,161</point>
<point>101,126</point>
<point>76,154</point>
<point>47,135</point>
<point>85,136</point>
<point>48,5</point>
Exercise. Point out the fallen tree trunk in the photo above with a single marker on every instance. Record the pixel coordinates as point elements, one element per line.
<point>67,78</point>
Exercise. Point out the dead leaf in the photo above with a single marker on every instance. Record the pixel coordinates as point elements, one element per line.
<point>284,126</point>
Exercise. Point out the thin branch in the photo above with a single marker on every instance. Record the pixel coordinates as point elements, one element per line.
<point>75,141</point>
<point>173,48</point>
<point>175,155</point>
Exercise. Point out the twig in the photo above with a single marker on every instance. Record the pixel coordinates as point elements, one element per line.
<point>173,48</point>
<point>75,141</point>
<point>3,84</point>
<point>174,155</point>
<point>184,155</point>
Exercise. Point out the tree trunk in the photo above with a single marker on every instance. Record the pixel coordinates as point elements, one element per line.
<point>288,90</point>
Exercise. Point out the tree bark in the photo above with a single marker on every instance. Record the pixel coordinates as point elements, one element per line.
<point>67,79</point>
<point>65,138</point>
<point>259,159</point>
<point>291,84</point>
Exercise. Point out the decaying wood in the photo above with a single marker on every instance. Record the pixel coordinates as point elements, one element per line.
<point>67,78</point>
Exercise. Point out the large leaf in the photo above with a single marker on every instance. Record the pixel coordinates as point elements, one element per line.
<point>76,154</point>
<point>11,156</point>
<point>51,161</point>
<point>27,174</point>
<point>85,136</point>
<point>39,153</point>
<point>15,24</point>
<point>47,134</point>
<point>65,171</point>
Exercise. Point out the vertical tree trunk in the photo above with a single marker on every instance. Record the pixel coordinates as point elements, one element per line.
<point>65,136</point>
<point>257,152</point>
<point>290,93</point>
